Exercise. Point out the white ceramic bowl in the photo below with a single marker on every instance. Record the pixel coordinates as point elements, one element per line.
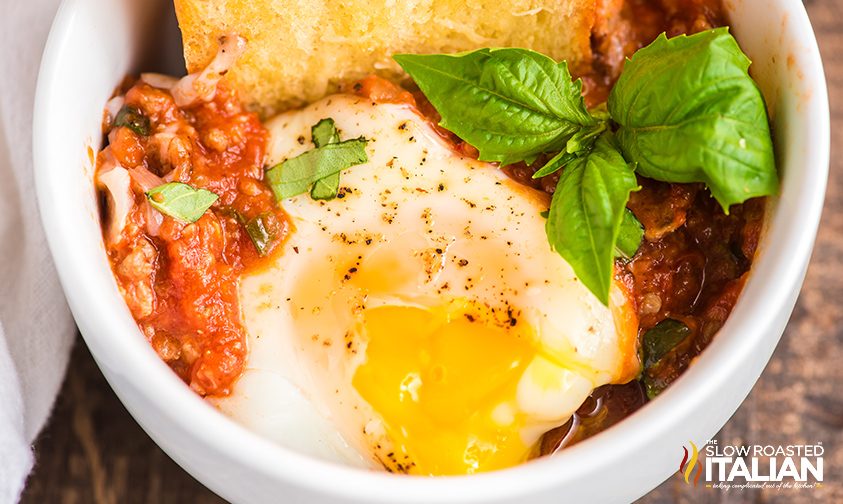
<point>94,43</point>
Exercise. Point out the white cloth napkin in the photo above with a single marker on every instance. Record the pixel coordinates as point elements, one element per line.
<point>36,329</point>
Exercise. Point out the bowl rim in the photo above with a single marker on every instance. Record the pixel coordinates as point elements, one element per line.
<point>712,369</point>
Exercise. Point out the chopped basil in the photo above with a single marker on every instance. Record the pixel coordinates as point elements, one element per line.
<point>260,235</point>
<point>324,133</point>
<point>300,174</point>
<point>661,339</point>
<point>586,213</point>
<point>259,229</point>
<point>689,112</point>
<point>657,344</point>
<point>181,201</point>
<point>326,188</point>
<point>630,236</point>
<point>133,119</point>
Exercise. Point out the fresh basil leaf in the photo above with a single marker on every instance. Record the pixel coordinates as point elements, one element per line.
<point>324,133</point>
<point>586,213</point>
<point>661,339</point>
<point>133,119</point>
<point>259,233</point>
<point>689,112</point>
<point>181,201</point>
<point>296,176</point>
<point>630,236</point>
<point>511,104</point>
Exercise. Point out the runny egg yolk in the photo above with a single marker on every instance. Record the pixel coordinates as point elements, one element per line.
<point>444,382</point>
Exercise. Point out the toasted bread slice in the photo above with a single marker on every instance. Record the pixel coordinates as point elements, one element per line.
<point>301,50</point>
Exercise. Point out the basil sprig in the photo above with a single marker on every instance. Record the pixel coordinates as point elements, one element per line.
<point>689,112</point>
<point>181,201</point>
<point>684,110</point>
<point>298,175</point>
<point>511,104</point>
<point>586,213</point>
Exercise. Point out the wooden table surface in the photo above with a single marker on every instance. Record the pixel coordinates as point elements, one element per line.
<point>92,450</point>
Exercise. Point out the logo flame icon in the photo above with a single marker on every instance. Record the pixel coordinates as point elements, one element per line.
<point>686,467</point>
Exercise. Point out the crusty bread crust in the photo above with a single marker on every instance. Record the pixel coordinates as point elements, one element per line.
<point>300,50</point>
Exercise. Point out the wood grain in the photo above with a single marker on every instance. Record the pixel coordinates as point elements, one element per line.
<point>92,450</point>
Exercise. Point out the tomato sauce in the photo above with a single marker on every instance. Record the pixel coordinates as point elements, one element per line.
<point>180,279</point>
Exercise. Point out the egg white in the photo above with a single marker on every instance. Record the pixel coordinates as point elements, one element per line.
<point>417,225</point>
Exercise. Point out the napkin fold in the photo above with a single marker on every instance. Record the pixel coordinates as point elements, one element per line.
<point>36,329</point>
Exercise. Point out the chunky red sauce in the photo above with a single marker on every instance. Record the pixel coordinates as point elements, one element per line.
<point>180,280</point>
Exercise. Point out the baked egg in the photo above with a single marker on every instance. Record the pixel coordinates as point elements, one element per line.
<point>419,321</point>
